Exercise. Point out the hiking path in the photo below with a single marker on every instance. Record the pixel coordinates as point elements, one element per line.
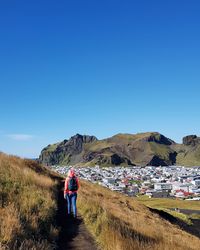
<point>73,232</point>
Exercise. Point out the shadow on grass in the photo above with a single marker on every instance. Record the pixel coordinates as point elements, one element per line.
<point>128,232</point>
<point>193,229</point>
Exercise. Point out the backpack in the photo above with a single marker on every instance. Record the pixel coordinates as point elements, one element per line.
<point>72,184</point>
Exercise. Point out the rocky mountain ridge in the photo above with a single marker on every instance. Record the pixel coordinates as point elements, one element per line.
<point>150,148</point>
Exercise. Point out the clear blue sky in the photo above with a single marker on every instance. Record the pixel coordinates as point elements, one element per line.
<point>98,68</point>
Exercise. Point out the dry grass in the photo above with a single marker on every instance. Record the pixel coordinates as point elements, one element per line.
<point>119,222</point>
<point>27,206</point>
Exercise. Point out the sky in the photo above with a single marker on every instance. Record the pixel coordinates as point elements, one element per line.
<point>97,67</point>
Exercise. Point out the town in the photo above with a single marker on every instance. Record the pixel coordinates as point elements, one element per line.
<point>156,182</point>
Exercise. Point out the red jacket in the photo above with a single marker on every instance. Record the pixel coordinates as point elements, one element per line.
<point>66,191</point>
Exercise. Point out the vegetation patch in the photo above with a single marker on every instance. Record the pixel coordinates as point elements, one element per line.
<point>28,205</point>
<point>180,216</point>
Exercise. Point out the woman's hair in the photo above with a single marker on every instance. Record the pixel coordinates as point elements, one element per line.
<point>71,172</point>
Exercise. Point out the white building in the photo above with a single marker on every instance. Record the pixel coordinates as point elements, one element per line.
<point>109,180</point>
<point>162,186</point>
<point>180,186</point>
<point>196,182</point>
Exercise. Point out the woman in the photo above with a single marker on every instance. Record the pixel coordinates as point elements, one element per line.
<point>70,192</point>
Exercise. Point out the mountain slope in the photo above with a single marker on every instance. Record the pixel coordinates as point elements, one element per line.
<point>188,153</point>
<point>66,152</point>
<point>122,149</point>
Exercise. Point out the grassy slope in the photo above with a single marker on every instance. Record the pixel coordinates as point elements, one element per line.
<point>188,155</point>
<point>168,203</point>
<point>133,146</point>
<point>28,205</point>
<point>119,222</point>
<point>52,147</point>
<point>137,136</point>
<point>161,150</point>
<point>143,150</point>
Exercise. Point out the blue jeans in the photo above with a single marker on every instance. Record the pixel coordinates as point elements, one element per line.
<point>71,202</point>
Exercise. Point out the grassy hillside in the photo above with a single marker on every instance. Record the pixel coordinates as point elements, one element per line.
<point>27,206</point>
<point>138,149</point>
<point>168,203</point>
<point>188,155</point>
<point>119,222</point>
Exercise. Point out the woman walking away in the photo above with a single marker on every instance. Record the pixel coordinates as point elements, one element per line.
<point>70,192</point>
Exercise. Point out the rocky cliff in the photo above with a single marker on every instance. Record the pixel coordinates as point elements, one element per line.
<point>191,140</point>
<point>66,152</point>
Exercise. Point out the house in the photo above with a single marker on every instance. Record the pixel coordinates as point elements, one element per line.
<point>157,194</point>
<point>182,193</point>
<point>181,186</point>
<point>162,186</point>
<point>196,182</point>
<point>109,180</point>
<point>133,191</point>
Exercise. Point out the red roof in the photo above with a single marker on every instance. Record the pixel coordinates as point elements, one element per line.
<point>184,192</point>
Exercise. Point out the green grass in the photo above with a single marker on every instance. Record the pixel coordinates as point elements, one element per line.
<point>180,216</point>
<point>52,147</point>
<point>65,160</point>
<point>97,145</point>
<point>194,216</point>
<point>134,137</point>
<point>160,150</point>
<point>168,203</point>
<point>187,155</point>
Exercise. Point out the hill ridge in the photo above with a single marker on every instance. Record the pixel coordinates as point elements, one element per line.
<point>149,148</point>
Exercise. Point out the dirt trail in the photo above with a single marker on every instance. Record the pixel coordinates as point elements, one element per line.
<point>73,234</point>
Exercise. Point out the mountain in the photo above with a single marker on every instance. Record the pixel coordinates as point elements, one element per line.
<point>150,148</point>
<point>188,153</point>
<point>122,149</point>
<point>67,152</point>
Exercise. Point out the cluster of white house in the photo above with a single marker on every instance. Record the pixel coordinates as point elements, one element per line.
<point>171,181</point>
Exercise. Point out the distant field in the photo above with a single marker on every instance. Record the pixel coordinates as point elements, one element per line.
<point>168,203</point>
